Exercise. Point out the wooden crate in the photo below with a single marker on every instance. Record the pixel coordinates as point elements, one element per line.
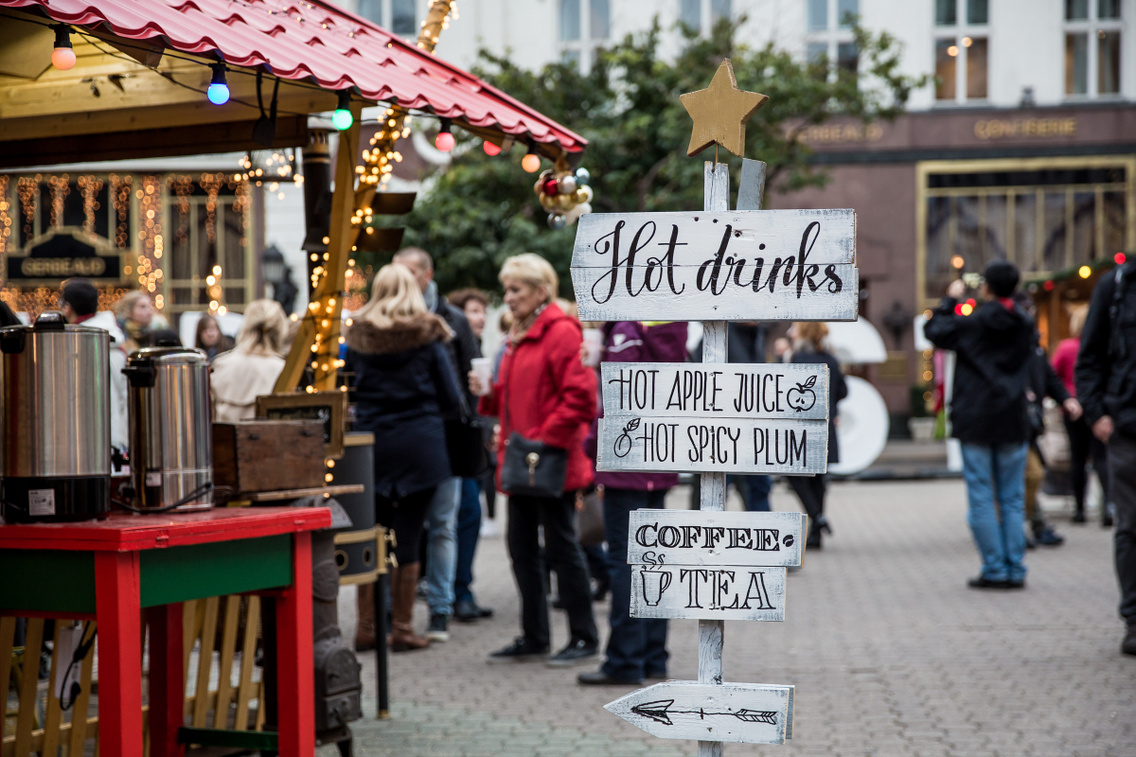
<point>268,455</point>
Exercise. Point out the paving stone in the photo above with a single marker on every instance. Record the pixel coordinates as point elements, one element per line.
<point>891,653</point>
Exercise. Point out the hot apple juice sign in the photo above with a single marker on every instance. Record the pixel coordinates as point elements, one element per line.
<point>740,418</point>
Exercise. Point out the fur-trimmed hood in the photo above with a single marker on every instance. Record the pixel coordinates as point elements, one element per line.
<point>405,333</point>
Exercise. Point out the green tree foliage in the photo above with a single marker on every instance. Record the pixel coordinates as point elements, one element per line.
<point>482,209</point>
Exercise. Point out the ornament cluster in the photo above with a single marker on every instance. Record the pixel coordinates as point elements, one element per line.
<point>565,194</point>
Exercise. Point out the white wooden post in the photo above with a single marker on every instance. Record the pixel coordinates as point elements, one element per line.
<point>713,485</point>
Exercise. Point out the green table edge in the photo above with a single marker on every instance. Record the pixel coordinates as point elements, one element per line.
<point>63,581</point>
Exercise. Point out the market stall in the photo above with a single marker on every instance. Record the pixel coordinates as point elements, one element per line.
<point>104,80</point>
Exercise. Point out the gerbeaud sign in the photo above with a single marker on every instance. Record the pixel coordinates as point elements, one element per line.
<point>751,265</point>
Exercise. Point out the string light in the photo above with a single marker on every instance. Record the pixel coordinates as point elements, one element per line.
<point>531,161</point>
<point>218,91</point>
<point>63,56</point>
<point>445,139</point>
<point>342,118</point>
<point>490,148</point>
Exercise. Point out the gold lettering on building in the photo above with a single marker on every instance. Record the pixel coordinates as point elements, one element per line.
<point>1025,128</point>
<point>38,268</point>
<point>836,133</point>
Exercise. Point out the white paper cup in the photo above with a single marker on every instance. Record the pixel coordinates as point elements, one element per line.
<point>593,347</point>
<point>483,368</point>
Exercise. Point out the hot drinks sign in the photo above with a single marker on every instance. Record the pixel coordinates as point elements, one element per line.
<point>755,265</point>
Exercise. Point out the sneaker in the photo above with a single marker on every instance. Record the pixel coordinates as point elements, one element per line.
<point>1128,646</point>
<point>1031,543</point>
<point>1047,537</point>
<point>436,631</point>
<point>600,678</point>
<point>468,611</point>
<point>981,582</point>
<point>521,650</point>
<point>576,651</point>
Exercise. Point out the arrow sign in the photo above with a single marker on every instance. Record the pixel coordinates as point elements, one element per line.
<point>740,712</point>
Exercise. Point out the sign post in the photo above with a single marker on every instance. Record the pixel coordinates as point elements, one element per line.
<point>715,266</point>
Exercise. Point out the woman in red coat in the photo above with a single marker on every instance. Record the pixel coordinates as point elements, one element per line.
<point>545,393</point>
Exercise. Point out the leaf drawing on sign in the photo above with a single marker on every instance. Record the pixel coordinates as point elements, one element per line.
<point>802,397</point>
<point>660,711</point>
<point>623,441</point>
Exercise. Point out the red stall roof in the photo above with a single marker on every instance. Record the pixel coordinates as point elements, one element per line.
<point>318,42</point>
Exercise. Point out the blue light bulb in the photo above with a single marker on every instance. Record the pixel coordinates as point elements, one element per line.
<point>218,91</point>
<point>218,94</point>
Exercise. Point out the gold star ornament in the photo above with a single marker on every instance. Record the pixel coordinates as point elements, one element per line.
<point>720,112</point>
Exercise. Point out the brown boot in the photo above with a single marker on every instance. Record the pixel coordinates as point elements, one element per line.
<point>404,588</point>
<point>365,625</point>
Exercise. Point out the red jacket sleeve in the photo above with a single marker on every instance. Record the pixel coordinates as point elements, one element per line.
<point>575,385</point>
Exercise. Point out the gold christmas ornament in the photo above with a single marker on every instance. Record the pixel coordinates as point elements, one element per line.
<point>720,112</point>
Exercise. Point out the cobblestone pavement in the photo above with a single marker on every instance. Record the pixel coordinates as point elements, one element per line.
<point>889,650</point>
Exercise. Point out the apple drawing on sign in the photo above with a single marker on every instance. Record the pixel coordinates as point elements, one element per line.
<point>802,397</point>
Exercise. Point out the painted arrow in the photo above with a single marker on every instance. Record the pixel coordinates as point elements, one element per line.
<point>738,712</point>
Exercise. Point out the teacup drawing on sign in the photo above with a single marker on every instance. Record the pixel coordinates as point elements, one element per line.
<point>655,582</point>
<point>623,441</point>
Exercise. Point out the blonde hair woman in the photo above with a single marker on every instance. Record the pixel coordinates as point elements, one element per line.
<point>544,392</point>
<point>134,313</point>
<point>404,385</point>
<point>810,345</point>
<point>251,368</point>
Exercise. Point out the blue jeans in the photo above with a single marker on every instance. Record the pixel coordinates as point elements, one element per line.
<point>441,547</point>
<point>469,528</point>
<point>637,647</point>
<point>995,490</point>
<point>754,491</point>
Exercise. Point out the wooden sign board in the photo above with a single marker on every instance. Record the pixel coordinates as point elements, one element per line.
<point>715,539</point>
<point>729,592</point>
<point>745,265</point>
<point>716,445</point>
<point>329,408</point>
<point>793,391</point>
<point>747,713</point>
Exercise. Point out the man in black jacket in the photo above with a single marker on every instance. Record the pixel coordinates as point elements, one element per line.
<point>441,517</point>
<point>988,415</point>
<point>1106,385</point>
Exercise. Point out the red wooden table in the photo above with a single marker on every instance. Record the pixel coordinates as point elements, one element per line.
<point>111,570</point>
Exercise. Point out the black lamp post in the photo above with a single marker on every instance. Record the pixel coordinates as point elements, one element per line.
<point>272,265</point>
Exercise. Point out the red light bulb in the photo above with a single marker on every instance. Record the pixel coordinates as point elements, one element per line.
<point>444,141</point>
<point>490,148</point>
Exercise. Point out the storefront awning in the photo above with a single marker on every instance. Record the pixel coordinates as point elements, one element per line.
<point>142,62</point>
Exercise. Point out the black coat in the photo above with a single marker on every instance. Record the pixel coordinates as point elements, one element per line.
<point>1106,365</point>
<point>837,390</point>
<point>993,345</point>
<point>404,385</point>
<point>463,348</point>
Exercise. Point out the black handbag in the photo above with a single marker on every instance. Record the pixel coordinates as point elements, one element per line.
<point>465,445</point>
<point>533,469</point>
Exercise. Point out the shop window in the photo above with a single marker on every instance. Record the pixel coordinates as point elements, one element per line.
<point>1046,217</point>
<point>961,50</point>
<point>585,25</point>
<point>1092,48</point>
<point>702,15</point>
<point>398,16</point>
<point>829,24</point>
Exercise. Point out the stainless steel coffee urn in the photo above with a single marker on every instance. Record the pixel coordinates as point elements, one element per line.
<point>54,421</point>
<point>171,443</point>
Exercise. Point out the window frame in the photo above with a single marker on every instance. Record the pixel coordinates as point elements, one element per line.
<point>832,38</point>
<point>584,49</point>
<point>1091,27</point>
<point>957,34</point>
